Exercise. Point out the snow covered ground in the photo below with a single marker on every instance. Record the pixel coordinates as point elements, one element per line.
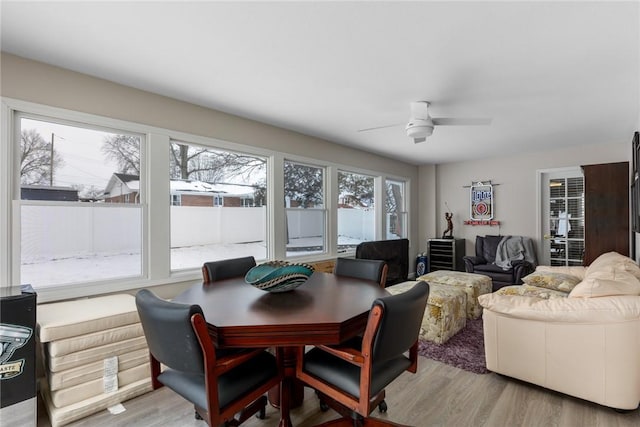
<point>103,267</point>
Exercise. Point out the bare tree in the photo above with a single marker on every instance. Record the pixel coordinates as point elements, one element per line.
<point>125,151</point>
<point>36,162</point>
<point>302,183</point>
<point>201,164</point>
<point>185,161</point>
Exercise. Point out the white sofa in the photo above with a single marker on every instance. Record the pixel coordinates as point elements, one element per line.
<point>577,331</point>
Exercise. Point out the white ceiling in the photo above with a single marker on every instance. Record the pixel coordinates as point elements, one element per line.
<point>548,74</point>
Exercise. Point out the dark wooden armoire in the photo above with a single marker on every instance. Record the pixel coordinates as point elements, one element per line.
<point>606,207</point>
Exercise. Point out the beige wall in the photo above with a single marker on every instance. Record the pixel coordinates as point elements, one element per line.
<point>28,80</point>
<point>515,195</point>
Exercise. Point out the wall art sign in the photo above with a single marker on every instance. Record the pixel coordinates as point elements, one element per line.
<point>481,195</point>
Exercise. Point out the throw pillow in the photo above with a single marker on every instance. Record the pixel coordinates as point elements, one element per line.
<point>551,280</point>
<point>607,282</point>
<point>616,260</point>
<point>530,291</point>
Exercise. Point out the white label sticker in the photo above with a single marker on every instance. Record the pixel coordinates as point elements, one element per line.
<point>110,376</point>
<point>111,366</point>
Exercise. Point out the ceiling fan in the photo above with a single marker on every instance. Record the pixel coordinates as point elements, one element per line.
<point>421,124</point>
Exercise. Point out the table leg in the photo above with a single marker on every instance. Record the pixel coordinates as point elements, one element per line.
<point>290,393</point>
<point>297,395</point>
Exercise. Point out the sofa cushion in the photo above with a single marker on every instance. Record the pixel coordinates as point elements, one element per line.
<point>617,261</point>
<point>551,280</point>
<point>95,339</point>
<point>67,319</point>
<point>606,281</point>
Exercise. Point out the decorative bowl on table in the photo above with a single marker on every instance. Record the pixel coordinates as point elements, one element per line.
<point>278,276</point>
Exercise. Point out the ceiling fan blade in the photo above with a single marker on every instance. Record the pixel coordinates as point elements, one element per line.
<point>449,121</point>
<point>417,140</point>
<point>381,127</point>
<point>420,110</point>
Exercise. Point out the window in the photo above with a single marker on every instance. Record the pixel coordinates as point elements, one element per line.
<point>213,221</point>
<point>304,206</point>
<point>93,205</point>
<point>566,220</point>
<point>356,214</point>
<point>80,214</point>
<point>396,220</point>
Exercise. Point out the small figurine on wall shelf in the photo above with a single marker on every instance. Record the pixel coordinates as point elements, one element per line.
<point>449,217</point>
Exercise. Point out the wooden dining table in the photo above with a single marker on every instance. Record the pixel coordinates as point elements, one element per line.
<point>326,309</point>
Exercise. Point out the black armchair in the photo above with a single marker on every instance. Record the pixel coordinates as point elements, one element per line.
<point>484,261</point>
<point>394,252</point>
<point>218,386</point>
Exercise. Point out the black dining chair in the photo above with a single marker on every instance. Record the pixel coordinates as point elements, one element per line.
<point>219,388</point>
<point>352,381</point>
<point>227,268</point>
<point>374,270</point>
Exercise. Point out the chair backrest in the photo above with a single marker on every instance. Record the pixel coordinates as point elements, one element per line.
<point>394,252</point>
<point>169,332</point>
<point>400,324</point>
<point>368,269</point>
<point>487,246</point>
<point>227,268</point>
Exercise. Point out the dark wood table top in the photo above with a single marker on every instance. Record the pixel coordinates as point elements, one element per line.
<point>327,309</point>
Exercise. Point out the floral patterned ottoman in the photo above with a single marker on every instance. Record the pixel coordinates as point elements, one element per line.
<point>445,314</point>
<point>473,284</point>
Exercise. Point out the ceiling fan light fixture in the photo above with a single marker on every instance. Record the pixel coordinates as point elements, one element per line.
<point>419,128</point>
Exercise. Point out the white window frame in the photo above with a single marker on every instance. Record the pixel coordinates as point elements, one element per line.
<point>155,209</point>
<point>404,202</point>
<point>324,209</point>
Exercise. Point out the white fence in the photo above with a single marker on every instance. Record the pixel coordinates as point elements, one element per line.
<point>50,232</point>
<point>357,224</point>
<point>193,225</point>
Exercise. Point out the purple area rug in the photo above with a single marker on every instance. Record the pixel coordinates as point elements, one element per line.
<point>465,350</point>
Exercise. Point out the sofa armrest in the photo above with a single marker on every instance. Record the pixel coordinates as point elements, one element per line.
<point>470,261</point>
<point>520,269</point>
<point>475,260</point>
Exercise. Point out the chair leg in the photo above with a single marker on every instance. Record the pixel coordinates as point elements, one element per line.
<point>198,416</point>
<point>323,405</point>
<point>262,413</point>
<point>256,407</point>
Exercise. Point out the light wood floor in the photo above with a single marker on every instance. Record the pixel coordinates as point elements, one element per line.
<point>438,395</point>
